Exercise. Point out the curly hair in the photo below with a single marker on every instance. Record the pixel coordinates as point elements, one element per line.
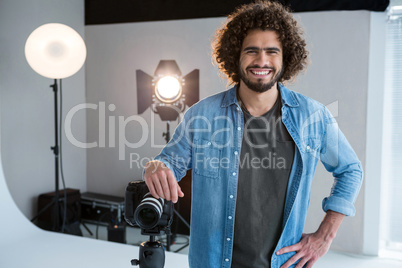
<point>264,15</point>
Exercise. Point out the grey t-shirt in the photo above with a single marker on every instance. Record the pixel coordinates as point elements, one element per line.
<point>265,163</point>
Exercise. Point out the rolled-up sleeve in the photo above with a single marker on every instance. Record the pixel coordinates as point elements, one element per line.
<point>339,158</point>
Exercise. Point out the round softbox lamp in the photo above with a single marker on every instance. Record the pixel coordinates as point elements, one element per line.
<point>55,51</point>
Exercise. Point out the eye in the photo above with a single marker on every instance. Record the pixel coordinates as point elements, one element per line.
<point>272,52</point>
<point>251,52</point>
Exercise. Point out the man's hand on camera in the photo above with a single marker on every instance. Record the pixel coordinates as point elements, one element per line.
<point>161,181</point>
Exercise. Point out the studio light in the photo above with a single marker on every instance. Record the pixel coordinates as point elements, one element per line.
<point>55,51</point>
<point>168,93</point>
<point>168,89</point>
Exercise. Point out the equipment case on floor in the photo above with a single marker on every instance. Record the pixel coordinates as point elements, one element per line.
<point>101,209</point>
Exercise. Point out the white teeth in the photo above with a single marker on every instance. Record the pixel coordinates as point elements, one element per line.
<point>261,73</point>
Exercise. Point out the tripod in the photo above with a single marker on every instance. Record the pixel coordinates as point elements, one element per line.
<point>152,254</point>
<point>56,152</point>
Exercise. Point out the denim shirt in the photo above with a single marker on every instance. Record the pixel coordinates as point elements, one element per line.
<point>208,141</point>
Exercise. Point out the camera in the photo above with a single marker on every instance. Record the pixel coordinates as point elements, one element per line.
<point>152,215</point>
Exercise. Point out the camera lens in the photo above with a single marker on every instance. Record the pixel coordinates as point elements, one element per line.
<point>147,216</point>
<point>149,212</point>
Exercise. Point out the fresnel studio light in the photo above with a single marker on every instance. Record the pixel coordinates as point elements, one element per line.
<point>168,93</point>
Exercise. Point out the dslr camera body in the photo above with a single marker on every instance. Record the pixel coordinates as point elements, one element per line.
<point>152,215</point>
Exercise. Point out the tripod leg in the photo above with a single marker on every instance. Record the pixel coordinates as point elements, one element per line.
<point>169,241</point>
<point>43,210</point>
<point>170,237</point>
<point>181,218</point>
<point>86,228</point>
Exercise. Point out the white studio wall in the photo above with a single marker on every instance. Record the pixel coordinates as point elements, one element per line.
<point>337,77</point>
<point>27,104</point>
<point>339,43</point>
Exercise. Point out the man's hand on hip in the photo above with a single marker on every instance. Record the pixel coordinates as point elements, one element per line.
<point>161,181</point>
<point>313,246</point>
<point>310,248</point>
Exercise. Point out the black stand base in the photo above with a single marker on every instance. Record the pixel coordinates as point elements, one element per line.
<point>152,255</point>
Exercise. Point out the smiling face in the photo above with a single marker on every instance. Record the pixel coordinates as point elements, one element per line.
<point>260,60</point>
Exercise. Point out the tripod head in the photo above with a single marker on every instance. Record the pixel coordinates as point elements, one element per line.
<point>152,254</point>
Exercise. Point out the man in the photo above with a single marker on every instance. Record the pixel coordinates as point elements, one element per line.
<point>253,151</point>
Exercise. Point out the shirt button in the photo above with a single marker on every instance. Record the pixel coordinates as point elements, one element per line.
<point>230,217</point>
<point>238,128</point>
<point>234,174</point>
<point>236,152</point>
<point>231,196</point>
<point>209,143</point>
<point>226,259</point>
<point>228,239</point>
<point>238,108</point>
<point>308,147</point>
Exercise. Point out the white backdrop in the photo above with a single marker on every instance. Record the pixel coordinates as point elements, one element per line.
<point>22,244</point>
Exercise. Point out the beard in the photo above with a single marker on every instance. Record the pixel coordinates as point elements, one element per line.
<point>259,86</point>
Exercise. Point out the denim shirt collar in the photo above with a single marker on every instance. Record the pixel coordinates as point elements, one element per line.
<point>288,97</point>
<point>229,97</point>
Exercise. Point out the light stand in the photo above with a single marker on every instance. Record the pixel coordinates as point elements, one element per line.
<point>55,149</point>
<point>167,133</point>
<point>55,51</point>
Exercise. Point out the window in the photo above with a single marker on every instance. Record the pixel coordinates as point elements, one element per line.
<point>391,203</point>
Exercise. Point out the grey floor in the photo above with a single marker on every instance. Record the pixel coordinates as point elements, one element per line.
<point>331,260</point>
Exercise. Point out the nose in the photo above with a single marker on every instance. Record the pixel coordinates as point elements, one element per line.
<point>262,59</point>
